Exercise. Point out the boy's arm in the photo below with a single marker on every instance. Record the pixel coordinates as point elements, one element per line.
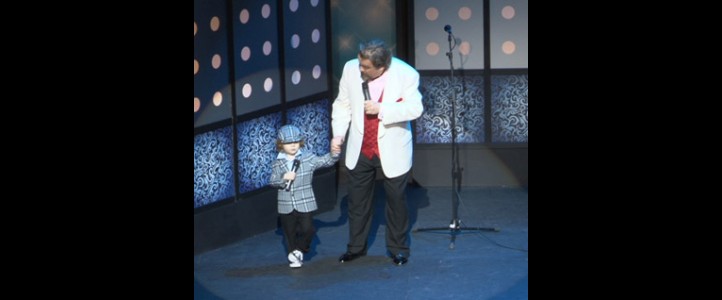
<point>277,175</point>
<point>324,161</point>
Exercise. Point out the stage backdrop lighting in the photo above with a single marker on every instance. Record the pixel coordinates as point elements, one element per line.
<point>305,54</point>
<point>211,86</point>
<point>466,19</point>
<point>256,54</point>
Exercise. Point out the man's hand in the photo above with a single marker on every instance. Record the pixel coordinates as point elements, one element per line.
<point>371,107</point>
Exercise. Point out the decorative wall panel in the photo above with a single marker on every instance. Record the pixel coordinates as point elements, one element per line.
<point>256,150</point>
<point>434,126</point>
<point>212,166</point>
<point>313,119</point>
<point>510,108</point>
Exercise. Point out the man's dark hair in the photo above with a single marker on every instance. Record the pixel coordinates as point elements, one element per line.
<point>375,50</point>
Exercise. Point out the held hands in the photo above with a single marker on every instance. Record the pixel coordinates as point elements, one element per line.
<point>336,145</point>
<point>371,107</point>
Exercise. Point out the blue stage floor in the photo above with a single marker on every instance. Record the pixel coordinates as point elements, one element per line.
<point>481,265</point>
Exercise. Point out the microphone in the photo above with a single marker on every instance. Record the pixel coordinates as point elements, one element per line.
<point>296,163</point>
<point>365,87</point>
<point>447,28</point>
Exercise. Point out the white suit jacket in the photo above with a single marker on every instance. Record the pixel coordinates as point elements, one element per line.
<point>401,103</point>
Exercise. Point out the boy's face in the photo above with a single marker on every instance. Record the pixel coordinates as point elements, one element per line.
<point>291,148</point>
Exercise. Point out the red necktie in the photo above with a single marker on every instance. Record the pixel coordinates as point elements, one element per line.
<point>370,146</point>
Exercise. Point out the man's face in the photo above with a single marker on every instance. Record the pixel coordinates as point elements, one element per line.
<point>368,71</point>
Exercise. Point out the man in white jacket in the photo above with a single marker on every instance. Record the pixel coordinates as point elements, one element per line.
<point>377,100</point>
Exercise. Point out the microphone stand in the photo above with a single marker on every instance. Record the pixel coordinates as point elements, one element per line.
<point>454,227</point>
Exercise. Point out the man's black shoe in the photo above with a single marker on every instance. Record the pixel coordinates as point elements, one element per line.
<point>399,259</point>
<point>348,256</point>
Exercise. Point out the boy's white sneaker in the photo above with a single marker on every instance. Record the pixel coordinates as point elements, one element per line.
<point>296,259</point>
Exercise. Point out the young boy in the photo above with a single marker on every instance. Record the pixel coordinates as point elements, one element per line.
<point>292,175</point>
